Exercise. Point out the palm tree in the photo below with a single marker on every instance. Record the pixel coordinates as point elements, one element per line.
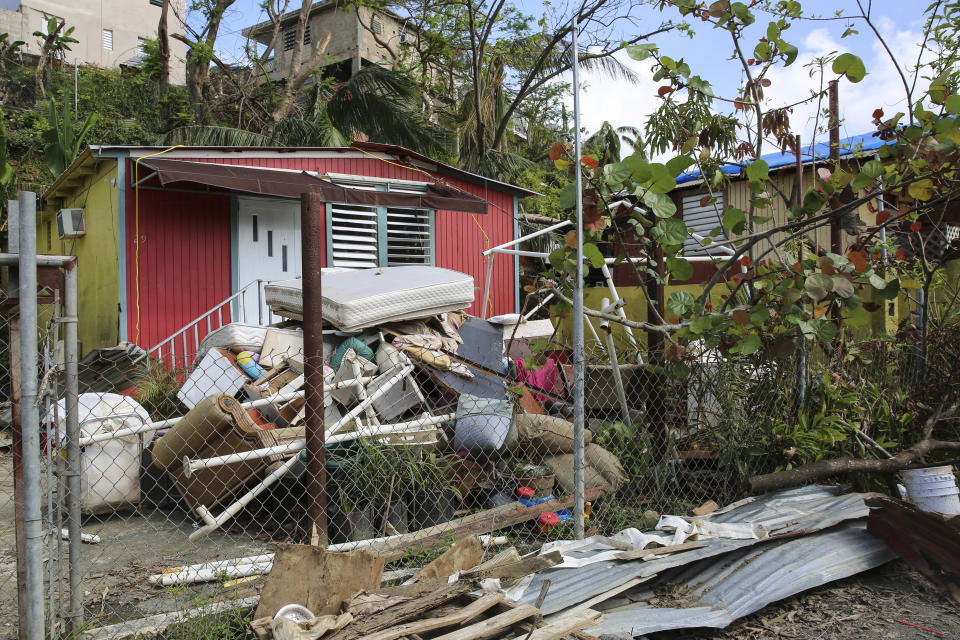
<point>375,104</point>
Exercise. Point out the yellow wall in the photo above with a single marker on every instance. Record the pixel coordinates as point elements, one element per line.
<point>97,255</point>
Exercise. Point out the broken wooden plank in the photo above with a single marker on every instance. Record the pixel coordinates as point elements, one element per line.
<point>463,555</point>
<point>317,579</point>
<point>429,598</point>
<point>492,625</point>
<point>706,508</point>
<point>519,569</point>
<point>474,524</point>
<point>574,621</point>
<point>461,616</point>
<point>643,554</point>
<point>925,540</point>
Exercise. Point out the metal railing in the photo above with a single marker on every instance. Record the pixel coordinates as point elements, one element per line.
<point>200,327</point>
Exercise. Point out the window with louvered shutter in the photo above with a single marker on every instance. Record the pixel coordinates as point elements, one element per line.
<point>701,220</point>
<point>108,40</point>
<point>408,237</point>
<point>353,236</point>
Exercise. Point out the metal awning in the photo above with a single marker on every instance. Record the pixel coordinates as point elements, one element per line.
<point>289,184</point>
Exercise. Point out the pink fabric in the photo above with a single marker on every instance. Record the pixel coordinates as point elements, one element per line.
<point>546,377</point>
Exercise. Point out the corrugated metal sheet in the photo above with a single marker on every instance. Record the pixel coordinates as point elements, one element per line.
<point>184,261</point>
<point>786,513</point>
<point>718,591</point>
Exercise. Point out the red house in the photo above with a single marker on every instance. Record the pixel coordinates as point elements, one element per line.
<point>163,240</point>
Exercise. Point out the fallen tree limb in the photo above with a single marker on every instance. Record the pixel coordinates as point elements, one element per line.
<point>814,471</point>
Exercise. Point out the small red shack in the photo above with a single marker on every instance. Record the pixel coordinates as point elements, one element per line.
<point>163,240</point>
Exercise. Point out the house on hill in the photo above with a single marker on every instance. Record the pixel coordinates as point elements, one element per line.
<point>359,36</point>
<point>110,32</point>
<point>169,236</point>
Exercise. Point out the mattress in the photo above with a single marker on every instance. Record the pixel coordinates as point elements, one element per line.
<point>354,300</point>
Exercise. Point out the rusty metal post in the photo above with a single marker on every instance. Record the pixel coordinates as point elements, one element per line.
<point>834,126</point>
<point>312,211</point>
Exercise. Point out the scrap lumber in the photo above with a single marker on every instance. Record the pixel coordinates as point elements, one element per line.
<point>491,626</point>
<point>463,555</point>
<point>461,616</point>
<point>475,524</point>
<point>515,570</point>
<point>574,621</point>
<point>929,542</point>
<point>404,611</point>
<point>647,554</point>
<point>317,579</point>
<point>706,508</point>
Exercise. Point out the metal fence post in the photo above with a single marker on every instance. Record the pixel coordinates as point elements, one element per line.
<point>71,358</point>
<point>312,228</point>
<point>579,364</point>
<point>30,417</point>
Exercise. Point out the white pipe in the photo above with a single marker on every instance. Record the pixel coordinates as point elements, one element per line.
<point>699,238</point>
<point>252,404</point>
<point>611,287</point>
<point>544,256</point>
<point>260,564</point>
<point>610,307</point>
<point>535,234</point>
<point>539,306</point>
<point>486,287</point>
<point>615,367</point>
<point>190,466</point>
<point>213,523</point>
<point>89,538</point>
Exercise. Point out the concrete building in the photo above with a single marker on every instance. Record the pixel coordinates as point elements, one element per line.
<point>110,32</point>
<point>358,36</point>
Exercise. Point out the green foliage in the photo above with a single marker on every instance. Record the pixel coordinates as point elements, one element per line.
<point>156,389</point>
<point>62,144</point>
<point>6,171</point>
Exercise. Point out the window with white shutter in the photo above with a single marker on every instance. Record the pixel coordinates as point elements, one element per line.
<point>108,40</point>
<point>353,236</point>
<point>701,220</point>
<point>364,237</point>
<point>408,237</point>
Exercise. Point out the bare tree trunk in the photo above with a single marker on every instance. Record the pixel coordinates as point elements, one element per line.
<point>199,57</point>
<point>298,72</point>
<point>163,43</point>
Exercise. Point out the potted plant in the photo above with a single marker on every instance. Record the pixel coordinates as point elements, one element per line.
<point>433,492</point>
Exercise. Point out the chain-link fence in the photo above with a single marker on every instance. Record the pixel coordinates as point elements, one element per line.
<point>436,427</point>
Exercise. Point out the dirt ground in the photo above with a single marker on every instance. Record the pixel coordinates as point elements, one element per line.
<point>865,606</point>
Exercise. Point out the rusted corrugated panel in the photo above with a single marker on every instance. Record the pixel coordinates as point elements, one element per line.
<point>928,541</point>
<point>184,261</point>
<point>459,238</point>
<point>718,591</point>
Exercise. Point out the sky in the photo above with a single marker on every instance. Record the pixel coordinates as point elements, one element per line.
<point>708,54</point>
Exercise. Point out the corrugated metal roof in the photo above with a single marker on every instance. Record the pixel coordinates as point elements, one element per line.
<point>719,591</point>
<point>786,513</point>
<point>820,153</point>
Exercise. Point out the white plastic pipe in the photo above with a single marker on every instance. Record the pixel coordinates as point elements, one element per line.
<point>529,236</point>
<point>612,288</point>
<point>213,523</point>
<point>413,426</point>
<point>263,563</point>
<point>252,404</point>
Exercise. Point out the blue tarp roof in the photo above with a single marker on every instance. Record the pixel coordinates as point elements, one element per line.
<point>821,152</point>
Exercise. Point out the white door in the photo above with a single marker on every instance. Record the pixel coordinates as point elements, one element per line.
<point>268,247</point>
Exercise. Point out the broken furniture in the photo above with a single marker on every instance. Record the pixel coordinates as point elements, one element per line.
<point>109,468</point>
